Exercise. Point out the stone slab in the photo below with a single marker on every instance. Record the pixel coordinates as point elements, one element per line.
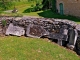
<point>15,30</point>
<point>35,31</point>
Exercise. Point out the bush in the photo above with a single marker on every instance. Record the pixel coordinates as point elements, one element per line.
<point>33,8</point>
<point>28,10</point>
<point>4,23</point>
<point>38,7</point>
<point>6,5</point>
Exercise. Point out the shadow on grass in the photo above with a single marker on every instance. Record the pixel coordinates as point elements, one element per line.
<point>27,10</point>
<point>50,14</point>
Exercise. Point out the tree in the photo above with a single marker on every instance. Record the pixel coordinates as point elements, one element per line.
<point>54,6</point>
<point>49,4</point>
<point>45,4</point>
<point>5,4</point>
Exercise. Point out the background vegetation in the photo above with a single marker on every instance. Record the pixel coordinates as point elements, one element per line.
<point>33,8</point>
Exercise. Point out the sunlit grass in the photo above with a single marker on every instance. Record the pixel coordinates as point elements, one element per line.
<point>24,48</point>
<point>33,13</point>
<point>22,6</point>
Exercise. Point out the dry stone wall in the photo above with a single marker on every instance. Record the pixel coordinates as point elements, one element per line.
<point>49,24</point>
<point>38,27</point>
<point>58,29</point>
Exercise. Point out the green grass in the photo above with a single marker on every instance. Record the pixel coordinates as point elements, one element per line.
<point>24,48</point>
<point>50,14</point>
<point>11,14</point>
<point>33,13</point>
<point>22,6</point>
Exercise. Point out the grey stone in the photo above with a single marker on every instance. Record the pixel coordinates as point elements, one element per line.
<point>70,46</point>
<point>78,27</point>
<point>15,30</point>
<point>14,10</point>
<point>73,35</point>
<point>38,27</point>
<point>56,36</point>
<point>60,42</point>
<point>64,31</point>
<point>35,31</point>
<point>18,18</point>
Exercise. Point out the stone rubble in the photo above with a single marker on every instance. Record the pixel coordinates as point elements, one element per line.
<point>55,29</point>
<point>39,27</point>
<point>36,31</point>
<point>49,24</point>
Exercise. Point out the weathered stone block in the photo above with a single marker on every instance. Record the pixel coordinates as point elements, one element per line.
<point>36,31</point>
<point>15,30</point>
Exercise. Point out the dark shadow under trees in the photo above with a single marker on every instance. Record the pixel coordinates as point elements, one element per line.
<point>50,14</point>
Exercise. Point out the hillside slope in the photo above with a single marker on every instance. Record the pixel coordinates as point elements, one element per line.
<point>24,48</point>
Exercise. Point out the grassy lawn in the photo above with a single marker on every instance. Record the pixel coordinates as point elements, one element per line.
<point>22,6</point>
<point>45,14</point>
<point>50,14</point>
<point>24,48</point>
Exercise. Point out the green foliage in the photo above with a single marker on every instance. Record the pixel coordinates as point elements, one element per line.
<point>54,5</point>
<point>38,7</point>
<point>4,23</point>
<point>33,8</point>
<point>49,4</point>
<point>28,10</point>
<point>46,4</point>
<point>5,5</point>
<point>51,14</point>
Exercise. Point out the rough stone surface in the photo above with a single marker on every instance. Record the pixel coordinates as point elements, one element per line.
<point>35,27</point>
<point>78,27</point>
<point>55,29</point>
<point>15,30</point>
<point>49,24</point>
<point>36,31</point>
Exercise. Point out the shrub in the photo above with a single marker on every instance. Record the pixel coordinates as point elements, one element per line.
<point>33,8</point>
<point>4,23</point>
<point>38,7</point>
<point>5,5</point>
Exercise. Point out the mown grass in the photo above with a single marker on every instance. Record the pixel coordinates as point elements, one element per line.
<point>22,6</point>
<point>11,14</point>
<point>50,14</point>
<point>24,48</point>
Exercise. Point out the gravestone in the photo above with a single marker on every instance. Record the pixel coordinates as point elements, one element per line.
<point>35,31</point>
<point>73,35</point>
<point>15,30</point>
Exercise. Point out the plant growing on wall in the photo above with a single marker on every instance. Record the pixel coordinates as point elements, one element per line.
<point>4,23</point>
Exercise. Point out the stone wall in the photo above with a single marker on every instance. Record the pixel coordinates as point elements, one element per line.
<point>70,7</point>
<point>64,31</point>
<point>46,23</point>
